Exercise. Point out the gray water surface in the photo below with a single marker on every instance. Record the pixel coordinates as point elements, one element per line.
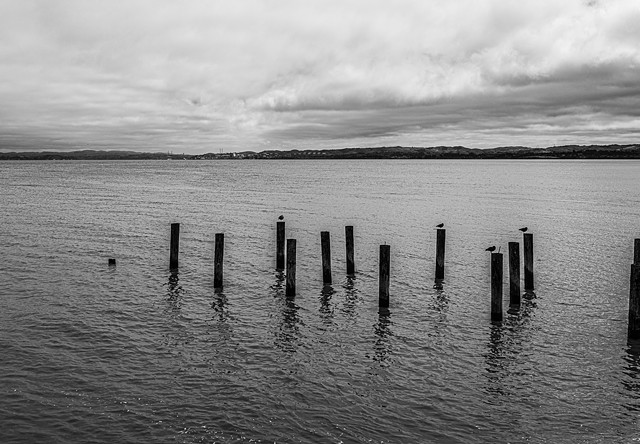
<point>135,353</point>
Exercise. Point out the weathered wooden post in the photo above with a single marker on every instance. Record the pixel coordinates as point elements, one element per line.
<point>633,331</point>
<point>528,261</point>
<point>514,275</point>
<point>440,241</point>
<point>175,246</point>
<point>496,287</point>
<point>112,262</point>
<point>634,302</point>
<point>217,260</point>
<point>385,255</point>
<point>280,245</point>
<point>291,268</point>
<point>351,267</point>
<point>325,243</point>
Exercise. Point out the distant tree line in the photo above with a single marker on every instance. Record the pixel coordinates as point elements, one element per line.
<point>395,152</point>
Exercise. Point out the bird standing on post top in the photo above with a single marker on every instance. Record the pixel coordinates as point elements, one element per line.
<point>492,248</point>
<point>523,229</point>
<point>281,217</point>
<point>440,225</point>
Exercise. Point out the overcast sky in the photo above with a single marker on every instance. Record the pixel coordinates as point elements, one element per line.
<point>200,76</point>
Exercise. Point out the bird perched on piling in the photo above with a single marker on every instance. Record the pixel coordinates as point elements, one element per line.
<point>281,217</point>
<point>491,249</point>
<point>440,225</point>
<point>523,229</point>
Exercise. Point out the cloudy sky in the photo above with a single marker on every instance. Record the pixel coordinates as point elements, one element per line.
<point>199,76</point>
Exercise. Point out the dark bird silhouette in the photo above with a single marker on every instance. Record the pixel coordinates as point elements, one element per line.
<point>281,217</point>
<point>440,225</point>
<point>523,229</point>
<point>492,248</point>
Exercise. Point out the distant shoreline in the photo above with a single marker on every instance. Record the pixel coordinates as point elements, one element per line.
<point>396,152</point>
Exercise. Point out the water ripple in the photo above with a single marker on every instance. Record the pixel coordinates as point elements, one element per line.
<point>137,353</point>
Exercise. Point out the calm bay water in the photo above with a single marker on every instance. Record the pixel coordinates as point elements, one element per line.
<point>133,353</point>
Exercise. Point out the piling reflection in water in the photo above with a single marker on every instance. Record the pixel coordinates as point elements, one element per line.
<point>506,342</point>
<point>441,307</point>
<point>175,331</point>
<point>222,321</point>
<point>278,285</point>
<point>351,296</point>
<point>174,290</point>
<point>219,306</point>
<point>441,300</point>
<point>326,308</point>
<point>495,359</point>
<point>631,382</point>
<point>287,334</point>
<point>382,348</point>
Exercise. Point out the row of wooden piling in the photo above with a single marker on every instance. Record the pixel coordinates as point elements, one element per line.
<point>514,276</point>
<point>384,265</point>
<point>384,269</point>
<point>325,245</point>
<point>218,255</point>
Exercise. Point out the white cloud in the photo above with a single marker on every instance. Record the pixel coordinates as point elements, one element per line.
<point>148,74</point>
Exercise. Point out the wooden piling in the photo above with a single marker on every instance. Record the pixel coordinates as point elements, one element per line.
<point>325,243</point>
<point>528,261</point>
<point>291,268</point>
<point>351,266</point>
<point>280,245</point>
<point>175,246</point>
<point>636,251</point>
<point>385,255</point>
<point>440,242</point>
<point>496,287</point>
<point>112,262</point>
<point>514,275</point>
<point>218,260</point>
<point>633,331</point>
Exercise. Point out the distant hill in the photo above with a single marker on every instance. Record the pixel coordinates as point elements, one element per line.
<point>81,155</point>
<point>395,152</point>
<point>449,152</point>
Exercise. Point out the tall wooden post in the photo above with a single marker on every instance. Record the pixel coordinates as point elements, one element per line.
<point>528,261</point>
<point>496,287</point>
<point>291,268</point>
<point>280,245</point>
<point>325,244</point>
<point>633,331</point>
<point>175,246</point>
<point>440,241</point>
<point>634,303</point>
<point>514,275</point>
<point>351,267</point>
<point>217,260</point>
<point>385,259</point>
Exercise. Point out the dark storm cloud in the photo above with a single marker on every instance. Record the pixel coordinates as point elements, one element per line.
<point>254,74</point>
